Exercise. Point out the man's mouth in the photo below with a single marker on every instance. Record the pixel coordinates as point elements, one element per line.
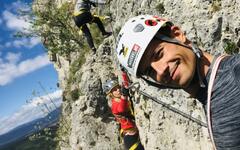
<point>170,76</point>
<point>174,68</point>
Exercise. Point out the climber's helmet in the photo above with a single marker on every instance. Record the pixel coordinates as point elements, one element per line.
<point>109,85</point>
<point>134,38</point>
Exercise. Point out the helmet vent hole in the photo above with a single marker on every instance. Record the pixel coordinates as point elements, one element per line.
<point>138,28</point>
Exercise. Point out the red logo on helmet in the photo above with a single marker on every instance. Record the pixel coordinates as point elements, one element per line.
<point>151,22</point>
<point>159,19</point>
<point>136,47</point>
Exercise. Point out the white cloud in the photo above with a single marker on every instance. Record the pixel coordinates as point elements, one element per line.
<point>33,42</point>
<point>10,68</point>
<point>14,22</point>
<point>37,108</point>
<point>27,42</point>
<point>13,57</point>
<point>12,18</point>
<point>20,5</point>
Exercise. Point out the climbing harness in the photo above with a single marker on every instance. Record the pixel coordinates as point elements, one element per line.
<point>210,86</point>
<point>135,145</point>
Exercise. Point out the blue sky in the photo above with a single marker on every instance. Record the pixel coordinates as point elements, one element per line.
<point>23,65</point>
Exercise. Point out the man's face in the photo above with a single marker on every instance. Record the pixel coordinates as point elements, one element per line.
<point>169,64</point>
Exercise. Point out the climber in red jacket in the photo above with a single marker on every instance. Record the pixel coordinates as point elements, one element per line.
<point>123,111</point>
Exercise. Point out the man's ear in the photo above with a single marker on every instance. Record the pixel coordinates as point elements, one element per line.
<point>178,34</point>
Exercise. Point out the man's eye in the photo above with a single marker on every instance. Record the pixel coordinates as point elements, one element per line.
<point>158,55</point>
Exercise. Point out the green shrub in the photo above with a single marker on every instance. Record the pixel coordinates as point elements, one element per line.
<point>44,139</point>
<point>75,94</point>
<point>231,47</point>
<point>55,26</point>
<point>216,5</point>
<point>160,8</point>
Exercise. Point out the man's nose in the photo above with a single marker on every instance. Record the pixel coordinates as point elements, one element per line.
<point>160,68</point>
<point>118,90</point>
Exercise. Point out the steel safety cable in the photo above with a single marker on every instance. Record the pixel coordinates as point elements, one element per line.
<point>173,109</point>
<point>111,20</point>
<point>116,63</point>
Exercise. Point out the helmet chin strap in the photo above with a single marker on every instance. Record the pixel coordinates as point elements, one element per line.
<point>199,55</point>
<point>195,50</point>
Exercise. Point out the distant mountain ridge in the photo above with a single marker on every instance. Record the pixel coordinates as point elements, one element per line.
<point>29,128</point>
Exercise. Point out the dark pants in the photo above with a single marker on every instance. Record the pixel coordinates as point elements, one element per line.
<point>130,140</point>
<point>81,21</point>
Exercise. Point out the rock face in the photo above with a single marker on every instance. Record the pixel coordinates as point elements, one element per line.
<point>208,22</point>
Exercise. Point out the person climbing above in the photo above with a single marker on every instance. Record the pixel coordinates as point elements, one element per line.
<point>158,52</point>
<point>82,16</point>
<point>123,111</point>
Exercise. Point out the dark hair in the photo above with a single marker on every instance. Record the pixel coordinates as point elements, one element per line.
<point>166,29</point>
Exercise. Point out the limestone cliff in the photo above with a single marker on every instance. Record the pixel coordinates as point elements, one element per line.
<point>213,24</point>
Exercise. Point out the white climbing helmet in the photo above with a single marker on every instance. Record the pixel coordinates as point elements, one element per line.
<point>134,38</point>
